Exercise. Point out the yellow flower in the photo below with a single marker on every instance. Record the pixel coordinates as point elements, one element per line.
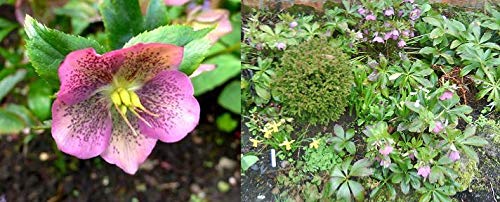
<point>255,142</point>
<point>267,133</point>
<point>270,128</point>
<point>314,143</point>
<point>287,144</point>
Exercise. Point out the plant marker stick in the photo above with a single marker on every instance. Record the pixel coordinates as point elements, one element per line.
<point>273,158</point>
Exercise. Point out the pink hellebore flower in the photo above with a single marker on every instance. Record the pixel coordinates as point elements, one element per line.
<point>370,17</point>
<point>200,18</point>
<point>117,105</point>
<point>361,11</point>
<point>293,24</point>
<point>385,163</point>
<point>446,95</point>
<point>424,171</point>
<point>454,155</point>
<point>386,150</point>
<point>387,36</point>
<point>175,2</point>
<point>401,43</point>
<point>281,46</point>
<point>438,128</point>
<point>389,12</point>
<point>415,14</point>
<point>378,39</point>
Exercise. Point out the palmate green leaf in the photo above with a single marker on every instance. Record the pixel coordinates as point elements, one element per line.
<point>339,131</point>
<point>122,20</point>
<point>343,192</point>
<point>361,168</point>
<point>228,66</point>
<point>475,141</point>
<point>8,82</point>
<point>230,98</point>
<point>357,190</point>
<point>47,48</point>
<point>195,46</point>
<point>10,123</point>
<point>469,152</point>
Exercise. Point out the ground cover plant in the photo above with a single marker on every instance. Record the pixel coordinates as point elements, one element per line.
<point>118,80</point>
<point>408,114</point>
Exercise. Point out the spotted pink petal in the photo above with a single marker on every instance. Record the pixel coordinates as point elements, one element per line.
<point>83,72</point>
<point>175,2</point>
<point>127,150</point>
<point>142,62</point>
<point>83,129</point>
<point>169,95</point>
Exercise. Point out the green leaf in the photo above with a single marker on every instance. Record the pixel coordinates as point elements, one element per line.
<point>178,35</point>
<point>122,20</point>
<point>343,192</point>
<point>339,131</point>
<point>428,50</point>
<point>194,53</point>
<point>47,48</point>
<point>335,182</point>
<point>247,161</point>
<point>361,168</point>
<point>230,98</point>
<point>226,123</point>
<point>350,147</point>
<point>10,81</point>
<point>22,112</point>
<point>357,190</point>
<point>396,178</point>
<point>39,99</point>
<point>156,15</point>
<point>228,66</point>
<point>475,141</point>
<point>10,123</point>
<point>82,13</point>
<point>470,152</point>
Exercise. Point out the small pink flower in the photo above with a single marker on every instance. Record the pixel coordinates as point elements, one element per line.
<point>454,155</point>
<point>446,95</point>
<point>406,33</point>
<point>361,11</point>
<point>371,17</point>
<point>201,69</point>
<point>293,24</point>
<point>412,156</point>
<point>281,46</point>
<point>359,35</point>
<point>438,128</point>
<point>389,12</point>
<point>386,150</point>
<point>424,171</point>
<point>117,105</point>
<point>385,163</point>
<point>175,2</point>
<point>395,34</point>
<point>201,18</point>
<point>415,14</point>
<point>387,36</point>
<point>400,13</point>
<point>401,43</point>
<point>378,39</point>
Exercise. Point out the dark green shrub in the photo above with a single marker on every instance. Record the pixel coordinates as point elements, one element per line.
<point>313,82</point>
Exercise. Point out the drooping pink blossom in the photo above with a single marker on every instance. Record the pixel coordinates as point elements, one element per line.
<point>424,171</point>
<point>415,14</point>
<point>446,95</point>
<point>387,36</point>
<point>406,33</point>
<point>359,35</point>
<point>386,150</point>
<point>400,13</point>
<point>401,44</point>
<point>117,105</point>
<point>293,24</point>
<point>395,34</point>
<point>371,17</point>
<point>201,17</point>
<point>438,127</point>
<point>280,46</point>
<point>385,162</point>
<point>201,69</point>
<point>175,2</point>
<point>454,155</point>
<point>389,12</point>
<point>378,39</point>
<point>361,11</point>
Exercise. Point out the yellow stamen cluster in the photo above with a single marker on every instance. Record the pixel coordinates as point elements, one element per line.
<point>126,100</point>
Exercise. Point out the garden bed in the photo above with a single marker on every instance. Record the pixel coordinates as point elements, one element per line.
<point>424,121</point>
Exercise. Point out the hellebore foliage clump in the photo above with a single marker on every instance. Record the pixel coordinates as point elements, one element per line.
<point>314,82</point>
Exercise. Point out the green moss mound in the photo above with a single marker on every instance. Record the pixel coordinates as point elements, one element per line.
<point>314,81</point>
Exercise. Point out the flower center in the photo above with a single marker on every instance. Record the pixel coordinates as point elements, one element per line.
<point>126,100</point>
